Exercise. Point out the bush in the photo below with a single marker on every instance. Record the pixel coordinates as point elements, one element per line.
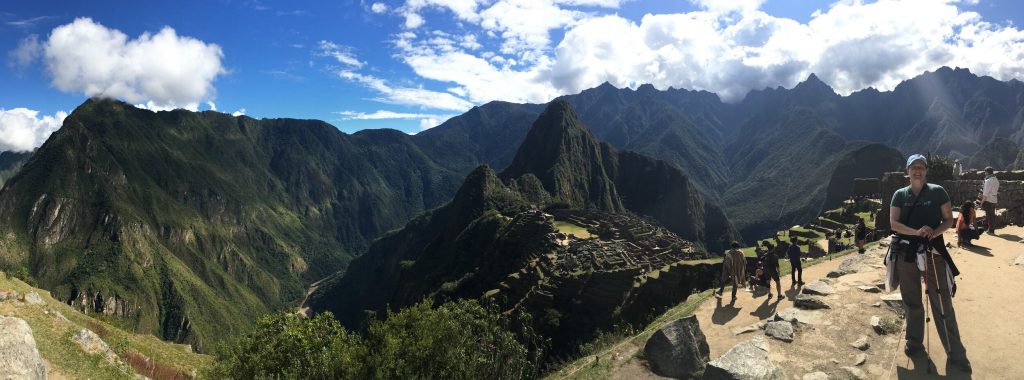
<point>288,346</point>
<point>457,340</point>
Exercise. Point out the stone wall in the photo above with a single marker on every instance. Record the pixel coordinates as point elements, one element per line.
<point>866,187</point>
<point>1011,193</point>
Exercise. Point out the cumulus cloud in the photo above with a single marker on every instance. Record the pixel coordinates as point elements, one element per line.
<point>22,130</point>
<point>429,122</point>
<point>379,8</point>
<point>238,113</point>
<point>164,69</point>
<point>727,47</point>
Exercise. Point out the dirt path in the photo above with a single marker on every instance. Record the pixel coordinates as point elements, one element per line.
<point>988,305</point>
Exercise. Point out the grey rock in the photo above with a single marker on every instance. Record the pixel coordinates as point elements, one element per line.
<point>3,295</point>
<point>745,361</point>
<point>861,343</point>
<point>835,274</point>
<point>877,304</point>
<point>678,349</point>
<point>895,300</point>
<point>804,301</point>
<point>835,361</point>
<point>794,316</point>
<point>876,324</point>
<point>870,289</point>
<point>816,376</point>
<point>744,330</point>
<point>818,288</point>
<point>860,359</point>
<point>780,330</point>
<point>1019,261</point>
<point>19,356</point>
<point>34,298</point>
<point>850,265</point>
<point>93,344</point>
<point>854,373</point>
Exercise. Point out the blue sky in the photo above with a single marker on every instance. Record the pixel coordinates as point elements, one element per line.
<point>410,64</point>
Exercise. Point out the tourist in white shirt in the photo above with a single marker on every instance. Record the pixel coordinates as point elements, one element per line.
<point>989,199</point>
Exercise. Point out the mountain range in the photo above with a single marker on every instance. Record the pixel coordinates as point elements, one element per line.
<point>189,225</point>
<point>493,236</point>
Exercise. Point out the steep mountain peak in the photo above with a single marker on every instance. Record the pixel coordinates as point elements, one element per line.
<point>561,152</point>
<point>813,86</point>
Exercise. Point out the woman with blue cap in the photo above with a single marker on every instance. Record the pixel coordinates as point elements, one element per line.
<point>919,214</point>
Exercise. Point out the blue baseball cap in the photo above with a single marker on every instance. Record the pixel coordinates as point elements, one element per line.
<point>915,158</point>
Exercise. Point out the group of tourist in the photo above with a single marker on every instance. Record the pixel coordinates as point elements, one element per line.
<point>918,215</point>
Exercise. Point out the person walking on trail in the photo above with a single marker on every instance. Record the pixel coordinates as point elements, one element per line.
<point>861,234</point>
<point>989,199</point>
<point>734,269</point>
<point>771,269</point>
<point>797,275</point>
<point>919,214</point>
<point>957,169</point>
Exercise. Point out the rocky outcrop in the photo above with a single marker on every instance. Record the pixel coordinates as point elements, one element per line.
<point>678,350</point>
<point>781,330</point>
<point>19,357</point>
<point>745,361</point>
<point>93,344</point>
<point>818,288</point>
<point>804,301</point>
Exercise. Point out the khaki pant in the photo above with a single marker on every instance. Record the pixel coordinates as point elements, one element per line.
<point>910,278</point>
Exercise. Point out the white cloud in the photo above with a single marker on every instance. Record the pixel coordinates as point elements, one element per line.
<point>212,105</point>
<point>29,49</point>
<point>164,69</point>
<point>379,8</point>
<point>729,6</point>
<point>342,54</point>
<point>238,113</point>
<point>525,25</point>
<point>429,122</point>
<point>21,130</point>
<point>385,115</point>
<point>728,47</point>
<point>412,96</point>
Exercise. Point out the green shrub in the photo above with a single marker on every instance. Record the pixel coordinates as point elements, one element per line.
<point>288,346</point>
<point>457,340</point>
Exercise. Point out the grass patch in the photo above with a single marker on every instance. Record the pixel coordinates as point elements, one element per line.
<point>53,338</point>
<point>600,364</point>
<point>569,228</point>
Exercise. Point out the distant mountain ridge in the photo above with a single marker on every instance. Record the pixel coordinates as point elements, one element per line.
<point>722,147</point>
<point>493,234</point>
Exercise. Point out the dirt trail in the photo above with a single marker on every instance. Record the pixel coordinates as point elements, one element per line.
<point>988,305</point>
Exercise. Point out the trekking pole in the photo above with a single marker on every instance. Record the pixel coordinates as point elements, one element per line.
<point>927,336</point>
<point>942,304</point>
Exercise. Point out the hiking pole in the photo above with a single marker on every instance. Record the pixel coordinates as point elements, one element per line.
<point>942,304</point>
<point>927,336</point>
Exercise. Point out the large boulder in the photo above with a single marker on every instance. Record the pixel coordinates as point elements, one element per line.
<point>679,349</point>
<point>745,361</point>
<point>93,344</point>
<point>804,301</point>
<point>781,330</point>
<point>19,356</point>
<point>818,288</point>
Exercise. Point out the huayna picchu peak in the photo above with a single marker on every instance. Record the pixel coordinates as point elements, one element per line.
<point>509,240</point>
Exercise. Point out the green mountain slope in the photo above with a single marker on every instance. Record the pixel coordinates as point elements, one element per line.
<point>491,240</point>
<point>189,225</point>
<point>10,163</point>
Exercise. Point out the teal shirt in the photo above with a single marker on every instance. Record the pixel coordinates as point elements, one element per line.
<point>928,211</point>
